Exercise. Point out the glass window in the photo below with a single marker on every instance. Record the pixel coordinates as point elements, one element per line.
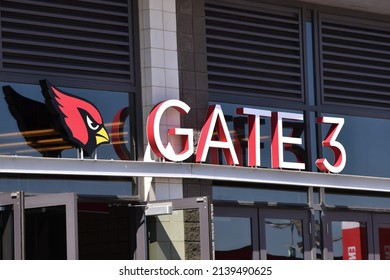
<point>340,73</point>
<point>357,199</point>
<point>260,193</point>
<point>30,127</point>
<point>57,184</point>
<point>366,143</point>
<point>384,240</point>
<point>46,230</point>
<point>284,239</point>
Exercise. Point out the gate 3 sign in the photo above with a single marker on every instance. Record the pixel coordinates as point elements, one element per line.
<point>215,123</point>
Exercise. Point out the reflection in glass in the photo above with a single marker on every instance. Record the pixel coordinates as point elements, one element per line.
<point>318,235</point>
<point>35,123</point>
<point>349,240</point>
<point>175,236</point>
<point>284,239</point>
<point>257,193</point>
<point>6,233</point>
<point>28,127</point>
<point>384,241</point>
<point>366,143</point>
<point>357,199</point>
<point>59,184</point>
<point>233,238</point>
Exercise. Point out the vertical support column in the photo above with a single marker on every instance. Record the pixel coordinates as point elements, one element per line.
<point>160,82</point>
<point>72,236</point>
<point>192,52</point>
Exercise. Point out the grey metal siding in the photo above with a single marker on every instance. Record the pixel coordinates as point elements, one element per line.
<point>88,39</point>
<point>355,61</point>
<point>254,51</point>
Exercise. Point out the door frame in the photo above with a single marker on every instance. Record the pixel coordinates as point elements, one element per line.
<point>16,200</point>
<point>22,201</point>
<point>340,216</point>
<point>203,205</point>
<point>69,200</point>
<point>258,216</point>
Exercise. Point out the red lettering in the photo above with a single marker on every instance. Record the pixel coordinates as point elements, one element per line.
<point>215,135</point>
<point>153,132</point>
<point>278,140</point>
<point>330,142</point>
<point>253,133</point>
<point>215,121</point>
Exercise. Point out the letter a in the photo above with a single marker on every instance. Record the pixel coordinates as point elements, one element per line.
<point>215,121</point>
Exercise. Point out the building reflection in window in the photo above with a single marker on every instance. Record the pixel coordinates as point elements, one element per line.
<point>284,239</point>
<point>349,240</point>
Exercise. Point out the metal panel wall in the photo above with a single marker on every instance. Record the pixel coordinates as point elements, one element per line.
<point>90,40</point>
<point>254,51</point>
<point>355,61</point>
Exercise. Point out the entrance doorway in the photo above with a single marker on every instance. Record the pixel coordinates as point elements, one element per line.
<point>357,235</point>
<point>67,226</point>
<point>257,233</point>
<point>71,226</point>
<point>38,227</point>
<point>10,205</point>
<point>268,233</point>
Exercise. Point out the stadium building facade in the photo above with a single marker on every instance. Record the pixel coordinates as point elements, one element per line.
<point>194,129</point>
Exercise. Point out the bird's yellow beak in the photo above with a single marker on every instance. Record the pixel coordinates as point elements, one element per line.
<point>102,136</point>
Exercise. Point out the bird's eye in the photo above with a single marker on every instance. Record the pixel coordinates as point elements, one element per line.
<point>92,125</point>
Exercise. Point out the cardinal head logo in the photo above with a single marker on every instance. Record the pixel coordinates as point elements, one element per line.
<point>79,121</point>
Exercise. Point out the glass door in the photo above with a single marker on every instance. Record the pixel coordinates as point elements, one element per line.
<point>348,235</point>
<point>67,226</point>
<point>38,227</point>
<point>50,223</point>
<point>381,231</point>
<point>285,234</point>
<point>178,229</point>
<point>261,233</point>
<point>71,226</point>
<point>10,226</point>
<point>236,233</point>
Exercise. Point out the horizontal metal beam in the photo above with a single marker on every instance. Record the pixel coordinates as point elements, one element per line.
<point>115,168</point>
